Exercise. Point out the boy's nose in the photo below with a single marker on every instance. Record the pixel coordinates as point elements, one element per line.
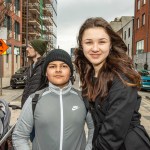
<point>58,69</point>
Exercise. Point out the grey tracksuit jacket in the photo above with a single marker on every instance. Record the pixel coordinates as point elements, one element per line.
<point>59,120</point>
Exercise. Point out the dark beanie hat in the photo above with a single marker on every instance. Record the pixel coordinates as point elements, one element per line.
<point>58,55</point>
<point>39,45</point>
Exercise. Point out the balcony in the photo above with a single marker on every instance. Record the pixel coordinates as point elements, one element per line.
<point>47,1</point>
<point>33,20</point>
<point>47,21</point>
<point>46,12</point>
<point>34,1</point>
<point>34,8</point>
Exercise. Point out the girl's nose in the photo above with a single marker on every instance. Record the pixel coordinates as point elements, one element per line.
<point>95,47</point>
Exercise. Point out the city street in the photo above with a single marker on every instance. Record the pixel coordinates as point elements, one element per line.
<point>14,97</point>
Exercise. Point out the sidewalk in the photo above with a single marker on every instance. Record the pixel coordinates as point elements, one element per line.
<point>9,95</point>
<point>5,82</point>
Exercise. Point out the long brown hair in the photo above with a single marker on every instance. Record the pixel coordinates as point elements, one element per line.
<point>117,63</point>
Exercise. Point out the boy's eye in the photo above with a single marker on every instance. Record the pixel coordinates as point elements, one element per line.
<point>64,66</point>
<point>51,66</point>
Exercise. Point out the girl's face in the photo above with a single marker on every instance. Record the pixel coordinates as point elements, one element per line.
<point>96,46</point>
<point>58,73</point>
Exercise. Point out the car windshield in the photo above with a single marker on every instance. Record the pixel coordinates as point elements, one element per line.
<point>21,70</point>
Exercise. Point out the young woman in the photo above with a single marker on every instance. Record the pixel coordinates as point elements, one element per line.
<point>59,114</point>
<point>109,84</point>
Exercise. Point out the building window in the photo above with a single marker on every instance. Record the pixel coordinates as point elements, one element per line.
<point>138,5</point>
<point>16,59</point>
<point>128,48</point>
<point>144,2</point>
<point>17,30</point>
<point>128,32</point>
<point>143,19</point>
<point>8,22</point>
<point>138,23</point>
<point>16,51</point>
<point>124,35</point>
<point>8,1</point>
<point>17,7</point>
<point>140,47</point>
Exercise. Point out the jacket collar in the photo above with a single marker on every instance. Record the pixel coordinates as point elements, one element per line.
<point>57,90</point>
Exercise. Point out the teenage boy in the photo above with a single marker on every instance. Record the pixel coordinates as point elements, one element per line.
<point>60,114</point>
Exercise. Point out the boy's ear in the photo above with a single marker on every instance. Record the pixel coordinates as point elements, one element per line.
<point>46,74</point>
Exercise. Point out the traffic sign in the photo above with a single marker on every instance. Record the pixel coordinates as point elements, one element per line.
<point>3,47</point>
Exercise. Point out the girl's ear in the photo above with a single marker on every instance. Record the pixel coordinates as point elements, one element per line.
<point>46,74</point>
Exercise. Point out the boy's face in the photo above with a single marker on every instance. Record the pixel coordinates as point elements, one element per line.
<point>58,73</point>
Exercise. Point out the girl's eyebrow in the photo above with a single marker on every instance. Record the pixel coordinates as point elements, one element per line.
<point>99,39</point>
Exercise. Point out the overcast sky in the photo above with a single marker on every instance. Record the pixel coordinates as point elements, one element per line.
<point>72,13</point>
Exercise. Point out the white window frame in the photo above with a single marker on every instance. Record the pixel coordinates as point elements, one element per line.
<point>138,5</point>
<point>140,47</point>
<point>144,2</point>
<point>143,19</point>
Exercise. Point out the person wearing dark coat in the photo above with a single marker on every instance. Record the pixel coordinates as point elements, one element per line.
<point>110,88</point>
<point>36,80</point>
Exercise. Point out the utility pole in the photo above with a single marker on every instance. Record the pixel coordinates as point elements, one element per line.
<point>1,75</point>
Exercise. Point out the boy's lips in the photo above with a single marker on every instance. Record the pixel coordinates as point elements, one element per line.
<point>58,76</point>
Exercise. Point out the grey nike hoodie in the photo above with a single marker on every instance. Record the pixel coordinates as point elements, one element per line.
<point>59,119</point>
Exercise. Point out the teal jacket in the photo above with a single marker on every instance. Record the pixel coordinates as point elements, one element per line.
<point>59,121</point>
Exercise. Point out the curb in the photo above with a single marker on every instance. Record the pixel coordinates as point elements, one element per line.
<point>5,87</point>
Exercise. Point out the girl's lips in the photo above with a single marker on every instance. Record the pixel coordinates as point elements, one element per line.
<point>95,55</point>
<point>58,76</point>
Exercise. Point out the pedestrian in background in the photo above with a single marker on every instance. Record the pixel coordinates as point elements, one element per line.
<point>109,85</point>
<point>35,79</point>
<point>60,113</point>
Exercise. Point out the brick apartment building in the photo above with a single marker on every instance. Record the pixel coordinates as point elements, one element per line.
<point>141,38</point>
<point>20,22</point>
<point>39,21</point>
<point>11,26</point>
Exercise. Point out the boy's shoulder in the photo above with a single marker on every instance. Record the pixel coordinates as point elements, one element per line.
<point>77,92</point>
<point>39,92</point>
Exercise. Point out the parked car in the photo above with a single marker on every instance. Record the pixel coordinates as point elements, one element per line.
<point>145,79</point>
<point>19,78</point>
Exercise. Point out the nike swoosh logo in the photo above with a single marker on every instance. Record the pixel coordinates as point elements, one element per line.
<point>75,108</point>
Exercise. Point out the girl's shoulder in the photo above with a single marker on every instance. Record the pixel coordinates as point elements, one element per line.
<point>119,82</point>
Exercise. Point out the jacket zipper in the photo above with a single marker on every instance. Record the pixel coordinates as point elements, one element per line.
<point>61,118</point>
